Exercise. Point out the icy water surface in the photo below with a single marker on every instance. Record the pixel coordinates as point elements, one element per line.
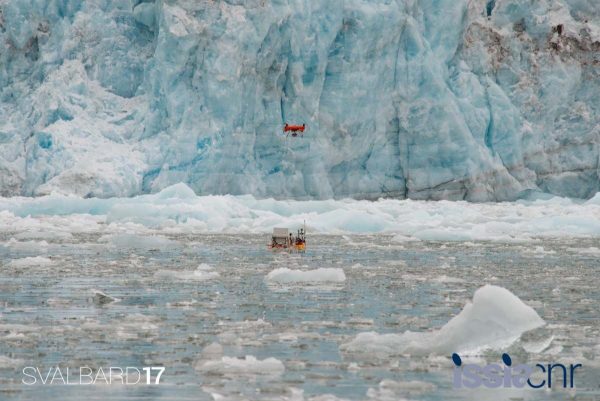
<point>168,313</point>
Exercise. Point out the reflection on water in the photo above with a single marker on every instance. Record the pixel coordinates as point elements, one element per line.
<point>195,303</point>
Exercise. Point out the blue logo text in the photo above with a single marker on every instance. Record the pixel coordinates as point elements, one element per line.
<point>507,375</point>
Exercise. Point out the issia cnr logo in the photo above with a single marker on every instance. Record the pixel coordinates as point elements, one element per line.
<point>507,375</point>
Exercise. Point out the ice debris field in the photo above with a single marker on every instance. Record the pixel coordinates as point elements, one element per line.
<point>358,317</point>
<point>177,209</point>
<point>386,291</point>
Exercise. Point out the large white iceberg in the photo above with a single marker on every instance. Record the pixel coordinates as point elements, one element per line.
<point>445,99</point>
<point>494,320</point>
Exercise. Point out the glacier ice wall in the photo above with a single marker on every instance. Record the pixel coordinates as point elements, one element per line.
<point>430,99</point>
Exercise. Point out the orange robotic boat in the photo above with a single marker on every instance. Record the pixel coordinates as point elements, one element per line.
<point>282,239</point>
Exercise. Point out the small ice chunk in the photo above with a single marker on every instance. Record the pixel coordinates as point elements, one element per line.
<point>26,246</point>
<point>447,279</point>
<point>36,261</point>
<point>212,352</point>
<point>135,326</point>
<point>322,275</point>
<point>248,365</point>
<point>328,397</point>
<point>592,251</point>
<point>6,362</point>
<point>536,347</point>
<point>44,235</point>
<point>101,298</point>
<point>540,250</point>
<point>392,390</point>
<point>403,238</point>
<point>135,241</point>
<point>353,367</point>
<point>202,273</point>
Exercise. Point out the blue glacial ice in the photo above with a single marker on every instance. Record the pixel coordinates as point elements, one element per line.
<point>480,100</point>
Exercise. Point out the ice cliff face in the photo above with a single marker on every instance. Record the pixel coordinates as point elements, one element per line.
<point>428,99</point>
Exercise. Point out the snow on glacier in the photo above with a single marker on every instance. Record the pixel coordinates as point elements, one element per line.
<point>444,99</point>
<point>176,209</point>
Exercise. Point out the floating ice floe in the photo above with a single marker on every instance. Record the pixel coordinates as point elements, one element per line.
<point>35,261</point>
<point>135,325</point>
<point>136,241</point>
<point>247,366</point>
<point>6,362</point>
<point>101,298</point>
<point>213,362</point>
<point>591,251</point>
<point>495,319</point>
<point>202,273</point>
<point>26,246</point>
<point>212,351</point>
<point>404,238</point>
<point>390,390</point>
<point>322,275</point>
<point>44,235</point>
<point>447,280</point>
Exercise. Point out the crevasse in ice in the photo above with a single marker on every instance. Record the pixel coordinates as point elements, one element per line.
<point>428,99</point>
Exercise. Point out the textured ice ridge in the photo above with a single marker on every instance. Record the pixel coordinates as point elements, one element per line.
<point>444,99</point>
<point>177,209</point>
